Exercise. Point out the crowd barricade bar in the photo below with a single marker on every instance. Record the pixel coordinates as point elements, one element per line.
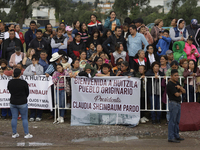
<point>146,108</point>
<point>56,98</point>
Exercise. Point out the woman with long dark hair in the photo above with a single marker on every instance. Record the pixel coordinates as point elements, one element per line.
<point>192,71</point>
<point>94,38</point>
<point>94,24</point>
<point>83,32</point>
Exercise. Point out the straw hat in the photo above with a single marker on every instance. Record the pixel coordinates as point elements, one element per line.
<point>55,56</point>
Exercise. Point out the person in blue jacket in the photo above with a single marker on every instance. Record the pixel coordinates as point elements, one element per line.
<point>163,43</point>
<point>30,34</point>
<point>111,22</point>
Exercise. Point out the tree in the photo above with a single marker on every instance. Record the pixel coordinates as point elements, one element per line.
<point>121,7</point>
<point>96,3</point>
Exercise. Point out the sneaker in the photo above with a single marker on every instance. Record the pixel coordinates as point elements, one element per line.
<point>28,136</point>
<point>19,117</point>
<point>38,119</point>
<point>31,119</point>
<point>3,117</point>
<point>145,119</point>
<point>58,119</point>
<point>61,120</point>
<point>15,135</point>
<point>142,120</point>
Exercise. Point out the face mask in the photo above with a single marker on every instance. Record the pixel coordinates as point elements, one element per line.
<point>3,68</point>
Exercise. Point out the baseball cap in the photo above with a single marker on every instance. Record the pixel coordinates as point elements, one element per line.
<point>68,28</point>
<point>194,22</point>
<point>168,52</point>
<point>190,37</point>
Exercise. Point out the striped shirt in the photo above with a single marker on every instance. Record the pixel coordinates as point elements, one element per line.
<point>84,36</point>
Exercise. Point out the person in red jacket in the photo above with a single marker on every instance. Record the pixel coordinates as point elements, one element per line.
<point>21,36</point>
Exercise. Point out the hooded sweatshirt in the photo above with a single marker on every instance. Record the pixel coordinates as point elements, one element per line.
<point>188,49</point>
<point>179,53</point>
<point>176,34</point>
<point>92,74</point>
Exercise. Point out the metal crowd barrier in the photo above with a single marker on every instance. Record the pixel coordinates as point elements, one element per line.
<point>160,78</point>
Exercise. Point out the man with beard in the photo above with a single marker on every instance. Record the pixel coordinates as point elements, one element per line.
<point>48,34</point>
<point>39,43</point>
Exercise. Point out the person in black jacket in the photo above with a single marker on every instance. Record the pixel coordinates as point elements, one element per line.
<point>125,70</point>
<point>30,34</point>
<point>112,40</point>
<point>156,86</point>
<point>105,71</point>
<point>39,43</point>
<point>48,34</point>
<point>19,91</point>
<point>10,44</point>
<point>151,56</point>
<point>94,38</point>
<point>76,46</point>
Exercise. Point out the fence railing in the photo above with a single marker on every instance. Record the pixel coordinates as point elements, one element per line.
<point>147,80</point>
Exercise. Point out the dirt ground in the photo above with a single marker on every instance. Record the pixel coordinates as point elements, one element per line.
<point>63,136</point>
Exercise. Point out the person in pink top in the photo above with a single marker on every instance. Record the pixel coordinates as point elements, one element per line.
<point>146,34</point>
<point>190,49</point>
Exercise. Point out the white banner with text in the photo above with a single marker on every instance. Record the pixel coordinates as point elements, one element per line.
<point>105,100</point>
<point>39,91</point>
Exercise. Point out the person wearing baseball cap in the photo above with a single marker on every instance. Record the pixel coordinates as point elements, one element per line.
<point>170,57</point>
<point>69,35</point>
<point>192,29</point>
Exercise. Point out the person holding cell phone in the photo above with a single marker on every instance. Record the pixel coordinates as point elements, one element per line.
<point>191,50</point>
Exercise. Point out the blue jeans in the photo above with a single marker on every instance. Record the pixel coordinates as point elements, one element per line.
<point>168,113</point>
<point>173,126</point>
<point>33,113</point>
<point>191,93</point>
<point>156,106</point>
<point>5,111</point>
<point>61,101</point>
<point>23,109</point>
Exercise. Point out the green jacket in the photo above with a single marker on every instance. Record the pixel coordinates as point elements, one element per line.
<point>179,54</point>
<point>180,71</point>
<point>88,66</point>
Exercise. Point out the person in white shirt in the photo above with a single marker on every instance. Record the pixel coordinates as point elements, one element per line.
<point>10,27</point>
<point>16,58</point>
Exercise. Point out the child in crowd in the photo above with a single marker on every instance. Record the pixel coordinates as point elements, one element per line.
<point>105,71</point>
<point>91,51</point>
<point>103,56</point>
<point>118,65</point>
<point>75,68</point>
<point>178,50</point>
<point>146,34</point>
<point>141,74</point>
<point>4,69</point>
<point>65,63</point>
<point>89,71</point>
<point>125,31</point>
<point>190,49</point>
<point>59,42</point>
<point>163,43</point>
<point>20,66</point>
<point>82,64</point>
<point>63,89</point>
<point>35,68</point>
<point>76,46</point>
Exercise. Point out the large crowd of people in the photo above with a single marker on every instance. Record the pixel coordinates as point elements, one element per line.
<point>113,49</point>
